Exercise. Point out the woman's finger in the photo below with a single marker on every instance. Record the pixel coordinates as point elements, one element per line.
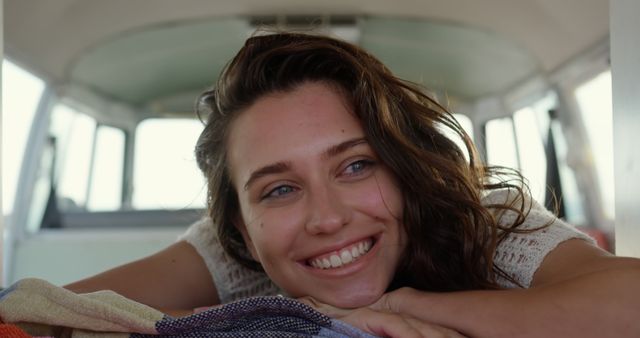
<point>381,323</point>
<point>392,301</point>
<point>432,330</point>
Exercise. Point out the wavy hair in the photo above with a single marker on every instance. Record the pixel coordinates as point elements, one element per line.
<point>453,236</point>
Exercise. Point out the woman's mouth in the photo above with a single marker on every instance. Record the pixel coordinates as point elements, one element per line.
<point>346,255</point>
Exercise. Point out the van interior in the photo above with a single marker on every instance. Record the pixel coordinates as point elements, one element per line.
<point>99,124</point>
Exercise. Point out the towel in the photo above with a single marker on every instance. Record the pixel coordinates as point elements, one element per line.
<point>43,309</point>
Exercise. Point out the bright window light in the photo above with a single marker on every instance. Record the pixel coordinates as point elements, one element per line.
<point>533,161</point>
<point>21,92</point>
<point>74,133</point>
<point>501,143</point>
<point>108,167</point>
<point>594,98</point>
<point>467,125</point>
<point>166,175</point>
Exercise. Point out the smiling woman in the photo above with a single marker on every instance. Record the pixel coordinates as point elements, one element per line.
<point>329,195</point>
<point>332,180</point>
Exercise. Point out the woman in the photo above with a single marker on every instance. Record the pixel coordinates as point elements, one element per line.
<point>335,178</point>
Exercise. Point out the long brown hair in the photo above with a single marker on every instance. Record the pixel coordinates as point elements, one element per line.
<point>453,236</point>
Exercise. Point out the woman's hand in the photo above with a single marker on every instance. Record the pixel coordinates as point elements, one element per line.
<point>383,323</point>
<point>393,301</point>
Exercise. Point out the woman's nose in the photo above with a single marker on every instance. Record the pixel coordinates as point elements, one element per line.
<point>327,212</point>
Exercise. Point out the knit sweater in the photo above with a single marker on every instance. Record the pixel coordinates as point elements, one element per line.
<point>519,254</point>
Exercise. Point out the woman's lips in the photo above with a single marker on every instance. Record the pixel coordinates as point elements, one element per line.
<point>346,255</point>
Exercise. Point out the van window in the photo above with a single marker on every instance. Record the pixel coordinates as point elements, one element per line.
<point>89,161</point>
<point>533,161</point>
<point>165,174</point>
<point>594,99</point>
<point>501,143</point>
<point>518,141</point>
<point>105,191</point>
<point>467,125</point>
<point>572,200</point>
<point>73,133</point>
<point>21,92</point>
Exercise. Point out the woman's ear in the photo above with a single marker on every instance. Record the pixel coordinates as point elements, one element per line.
<point>242,227</point>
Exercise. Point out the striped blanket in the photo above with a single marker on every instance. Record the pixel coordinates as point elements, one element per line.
<point>43,309</point>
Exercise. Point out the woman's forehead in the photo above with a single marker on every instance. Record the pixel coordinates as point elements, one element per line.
<point>303,122</point>
<point>307,105</point>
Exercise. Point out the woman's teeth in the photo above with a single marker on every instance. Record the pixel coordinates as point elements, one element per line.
<point>344,256</point>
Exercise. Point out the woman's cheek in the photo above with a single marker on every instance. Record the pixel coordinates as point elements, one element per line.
<point>276,229</point>
<point>380,199</point>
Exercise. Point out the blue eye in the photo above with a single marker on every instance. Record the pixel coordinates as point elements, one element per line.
<point>358,167</point>
<point>279,191</point>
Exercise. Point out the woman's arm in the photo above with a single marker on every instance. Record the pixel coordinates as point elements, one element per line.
<point>578,291</point>
<point>174,280</point>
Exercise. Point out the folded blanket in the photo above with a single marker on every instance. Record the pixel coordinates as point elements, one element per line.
<point>12,331</point>
<point>43,309</point>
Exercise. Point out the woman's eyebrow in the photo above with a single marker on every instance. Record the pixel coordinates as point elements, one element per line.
<point>276,168</point>
<point>280,167</point>
<point>343,146</point>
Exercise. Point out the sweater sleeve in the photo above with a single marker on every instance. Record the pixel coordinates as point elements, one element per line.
<point>232,280</point>
<point>521,254</point>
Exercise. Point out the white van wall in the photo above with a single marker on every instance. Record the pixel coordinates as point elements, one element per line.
<point>61,257</point>
<point>625,72</point>
<point>1,217</point>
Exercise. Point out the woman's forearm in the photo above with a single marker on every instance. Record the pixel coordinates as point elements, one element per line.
<point>602,304</point>
<point>173,280</point>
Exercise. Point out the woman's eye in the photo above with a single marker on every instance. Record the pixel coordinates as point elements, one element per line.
<point>358,167</point>
<point>279,191</point>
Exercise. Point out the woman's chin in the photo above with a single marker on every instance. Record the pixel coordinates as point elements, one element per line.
<point>351,300</point>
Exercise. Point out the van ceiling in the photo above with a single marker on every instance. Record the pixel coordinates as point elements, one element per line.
<point>156,55</point>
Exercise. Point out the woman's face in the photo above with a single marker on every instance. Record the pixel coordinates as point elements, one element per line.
<point>319,211</point>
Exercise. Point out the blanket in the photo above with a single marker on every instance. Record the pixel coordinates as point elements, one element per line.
<point>43,309</point>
